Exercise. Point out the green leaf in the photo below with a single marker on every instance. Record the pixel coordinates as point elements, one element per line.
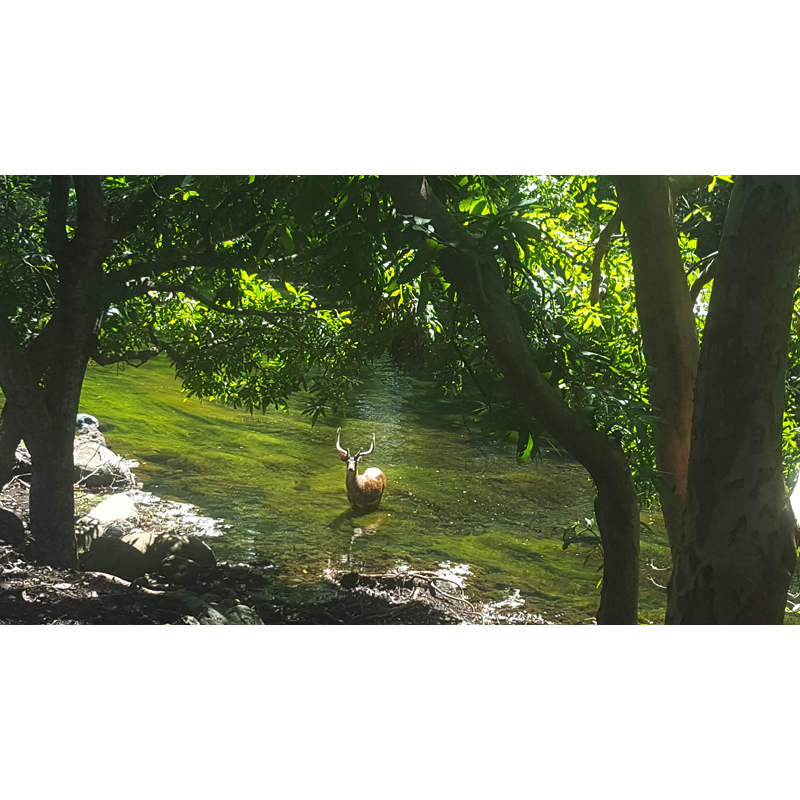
<point>287,241</point>
<point>478,207</point>
<point>267,239</point>
<point>415,268</point>
<point>524,447</point>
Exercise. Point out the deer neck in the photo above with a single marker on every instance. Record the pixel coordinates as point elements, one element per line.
<point>351,480</point>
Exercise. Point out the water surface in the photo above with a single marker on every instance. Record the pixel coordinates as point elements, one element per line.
<point>454,498</point>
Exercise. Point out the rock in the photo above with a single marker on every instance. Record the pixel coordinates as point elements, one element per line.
<point>12,531</point>
<point>86,424</point>
<point>115,557</point>
<point>117,529</point>
<point>179,570</point>
<point>243,615</point>
<point>158,546</point>
<point>117,508</point>
<point>192,547</point>
<point>96,465</point>
<point>87,530</point>
<point>114,512</point>
<point>199,608</point>
<point>22,462</point>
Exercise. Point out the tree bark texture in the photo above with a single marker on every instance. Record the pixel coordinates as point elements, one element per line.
<point>42,379</point>
<point>669,332</point>
<point>480,282</point>
<point>10,437</point>
<point>737,554</point>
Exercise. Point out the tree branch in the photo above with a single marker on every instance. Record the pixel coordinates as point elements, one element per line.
<point>706,276</point>
<point>136,280</point>
<point>128,357</point>
<point>680,185</point>
<point>56,227</point>
<point>189,291</point>
<point>89,237</point>
<point>146,198</point>
<point>600,250</point>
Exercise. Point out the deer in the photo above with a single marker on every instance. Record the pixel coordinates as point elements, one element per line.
<point>363,491</point>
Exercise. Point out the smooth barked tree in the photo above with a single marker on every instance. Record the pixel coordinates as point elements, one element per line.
<point>738,548</point>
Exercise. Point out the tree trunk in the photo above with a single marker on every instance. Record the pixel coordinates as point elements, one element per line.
<point>480,282</point>
<point>737,554</point>
<point>52,499</point>
<point>43,378</point>
<point>10,437</point>
<point>669,332</point>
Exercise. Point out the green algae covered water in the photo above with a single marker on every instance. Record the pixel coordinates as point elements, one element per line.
<point>454,499</point>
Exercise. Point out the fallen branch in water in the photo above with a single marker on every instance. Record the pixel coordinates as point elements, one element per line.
<point>413,580</point>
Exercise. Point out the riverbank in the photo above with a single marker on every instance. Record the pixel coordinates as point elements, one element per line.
<point>34,594</point>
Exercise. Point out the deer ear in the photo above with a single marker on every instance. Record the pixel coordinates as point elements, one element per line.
<point>343,456</point>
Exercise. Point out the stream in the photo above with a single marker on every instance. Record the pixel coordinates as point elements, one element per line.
<point>455,500</point>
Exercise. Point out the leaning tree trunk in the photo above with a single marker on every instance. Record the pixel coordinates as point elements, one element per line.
<point>480,282</point>
<point>669,332</point>
<point>738,549</point>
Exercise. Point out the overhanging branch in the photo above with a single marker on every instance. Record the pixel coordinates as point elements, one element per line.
<point>190,291</point>
<point>128,357</point>
<point>136,280</point>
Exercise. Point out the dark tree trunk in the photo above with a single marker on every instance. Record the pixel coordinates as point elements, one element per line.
<point>737,555</point>
<point>52,499</point>
<point>669,332</point>
<point>42,379</point>
<point>10,437</point>
<point>481,283</point>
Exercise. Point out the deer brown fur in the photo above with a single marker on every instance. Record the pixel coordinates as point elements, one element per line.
<point>363,491</point>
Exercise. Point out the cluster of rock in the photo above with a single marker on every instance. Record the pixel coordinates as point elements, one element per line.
<point>111,539</point>
<point>109,542</point>
<point>106,536</point>
<point>95,464</point>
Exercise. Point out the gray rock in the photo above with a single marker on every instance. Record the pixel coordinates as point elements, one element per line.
<point>117,530</point>
<point>114,512</point>
<point>114,509</point>
<point>86,424</point>
<point>96,465</point>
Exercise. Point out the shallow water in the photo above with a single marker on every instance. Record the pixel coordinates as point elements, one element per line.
<point>454,498</point>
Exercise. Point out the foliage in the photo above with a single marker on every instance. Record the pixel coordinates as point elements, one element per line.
<point>259,286</point>
<point>199,276</point>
